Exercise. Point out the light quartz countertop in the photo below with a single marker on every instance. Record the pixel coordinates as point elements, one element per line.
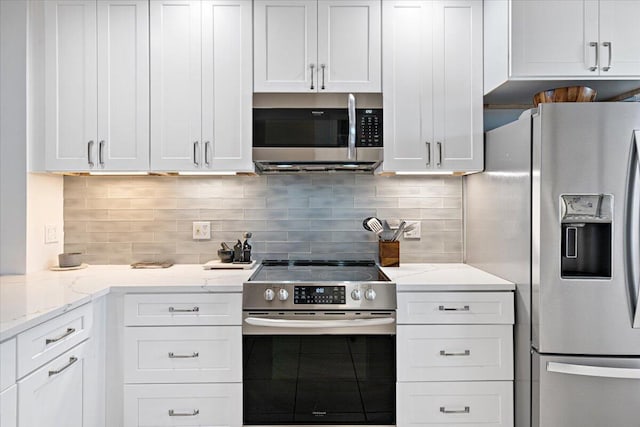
<point>28,300</point>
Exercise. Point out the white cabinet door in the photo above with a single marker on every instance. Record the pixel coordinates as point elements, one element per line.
<point>285,46</point>
<point>408,85</point>
<point>123,85</point>
<point>71,87</point>
<point>9,407</point>
<point>227,70</point>
<point>619,40</point>
<point>555,38</point>
<point>175,38</point>
<point>457,94</point>
<point>349,46</point>
<point>53,396</point>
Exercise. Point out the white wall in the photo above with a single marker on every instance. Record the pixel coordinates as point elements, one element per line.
<point>13,136</point>
<point>44,207</point>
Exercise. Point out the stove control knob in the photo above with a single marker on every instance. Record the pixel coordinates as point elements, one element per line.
<point>269,295</point>
<point>283,294</point>
<point>356,294</point>
<point>370,294</point>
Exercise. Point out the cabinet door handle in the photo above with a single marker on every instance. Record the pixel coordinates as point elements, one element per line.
<point>68,332</point>
<point>206,153</point>
<point>89,157</point>
<point>184,310</point>
<point>193,355</point>
<point>101,153</point>
<point>439,160</point>
<point>445,308</point>
<point>193,413</point>
<point>444,410</point>
<point>195,153</point>
<point>72,360</point>
<point>428,144</point>
<point>322,66</point>
<point>607,45</point>
<point>460,353</point>
<point>595,65</point>
<point>312,66</point>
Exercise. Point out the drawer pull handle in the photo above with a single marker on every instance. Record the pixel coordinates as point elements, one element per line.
<point>444,308</point>
<point>68,332</point>
<point>173,413</point>
<point>464,353</point>
<point>72,360</point>
<point>444,410</point>
<point>193,355</point>
<point>184,310</point>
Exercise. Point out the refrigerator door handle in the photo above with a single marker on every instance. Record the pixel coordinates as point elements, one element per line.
<point>593,371</point>
<point>632,233</point>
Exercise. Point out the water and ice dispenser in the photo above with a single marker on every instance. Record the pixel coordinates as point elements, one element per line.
<point>586,221</point>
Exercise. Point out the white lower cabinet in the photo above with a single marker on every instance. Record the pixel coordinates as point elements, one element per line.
<point>160,405</point>
<point>9,407</point>
<point>53,395</point>
<point>455,404</point>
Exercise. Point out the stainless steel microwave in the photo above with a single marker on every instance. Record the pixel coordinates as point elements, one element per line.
<point>287,140</point>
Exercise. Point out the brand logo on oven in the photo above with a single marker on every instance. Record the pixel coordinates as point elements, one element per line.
<point>319,413</point>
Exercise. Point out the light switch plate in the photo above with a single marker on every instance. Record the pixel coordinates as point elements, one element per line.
<point>50,233</point>
<point>201,230</point>
<point>413,233</point>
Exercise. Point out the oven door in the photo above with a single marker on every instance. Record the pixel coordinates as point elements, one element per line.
<point>319,368</point>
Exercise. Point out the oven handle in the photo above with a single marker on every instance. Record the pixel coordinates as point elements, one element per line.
<point>304,324</point>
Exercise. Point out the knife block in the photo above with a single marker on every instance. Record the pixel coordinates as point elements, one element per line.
<point>389,254</point>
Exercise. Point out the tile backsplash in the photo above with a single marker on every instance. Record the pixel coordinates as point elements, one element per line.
<point>120,220</point>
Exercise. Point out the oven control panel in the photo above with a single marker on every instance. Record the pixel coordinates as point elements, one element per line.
<point>319,295</point>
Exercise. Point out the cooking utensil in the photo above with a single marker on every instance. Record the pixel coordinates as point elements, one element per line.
<point>375,225</point>
<point>398,231</point>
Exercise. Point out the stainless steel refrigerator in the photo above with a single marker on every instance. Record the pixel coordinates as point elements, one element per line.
<point>557,211</point>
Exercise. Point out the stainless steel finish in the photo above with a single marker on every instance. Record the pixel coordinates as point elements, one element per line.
<point>195,153</point>
<point>319,322</point>
<point>632,236</point>
<point>89,158</point>
<point>206,153</point>
<point>439,158</point>
<point>323,67</point>
<point>445,308</point>
<point>311,66</point>
<point>184,310</point>
<point>465,410</point>
<point>607,45</point>
<point>101,153</point>
<point>173,413</point>
<point>68,332</point>
<point>193,355</point>
<point>428,144</point>
<point>336,155</point>
<point>72,360</point>
<point>351,143</point>
<point>593,371</point>
<point>460,353</point>
<point>595,65</point>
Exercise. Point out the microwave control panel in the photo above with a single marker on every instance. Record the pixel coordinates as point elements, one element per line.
<point>369,127</point>
<point>319,295</point>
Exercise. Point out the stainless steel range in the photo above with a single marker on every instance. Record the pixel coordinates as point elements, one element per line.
<point>319,344</point>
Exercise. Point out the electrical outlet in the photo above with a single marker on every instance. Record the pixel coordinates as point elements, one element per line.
<point>50,233</point>
<point>413,233</point>
<point>201,230</point>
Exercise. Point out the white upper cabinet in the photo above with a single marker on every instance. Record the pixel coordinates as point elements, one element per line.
<point>201,85</point>
<point>432,70</point>
<point>97,78</point>
<point>560,39</point>
<point>317,46</point>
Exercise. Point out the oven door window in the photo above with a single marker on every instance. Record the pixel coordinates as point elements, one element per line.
<point>302,128</point>
<point>321,379</point>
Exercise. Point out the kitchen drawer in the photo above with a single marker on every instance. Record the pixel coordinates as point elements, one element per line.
<point>182,309</point>
<point>416,308</point>
<point>40,344</point>
<point>152,405</point>
<point>454,352</point>
<point>7,364</point>
<point>460,404</point>
<point>183,354</point>
<point>9,407</point>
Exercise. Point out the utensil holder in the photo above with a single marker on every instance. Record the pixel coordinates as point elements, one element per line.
<point>389,254</point>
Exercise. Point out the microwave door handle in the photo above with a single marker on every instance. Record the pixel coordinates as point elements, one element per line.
<point>351,143</point>
<point>593,371</point>
<point>632,232</point>
<point>311,324</point>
